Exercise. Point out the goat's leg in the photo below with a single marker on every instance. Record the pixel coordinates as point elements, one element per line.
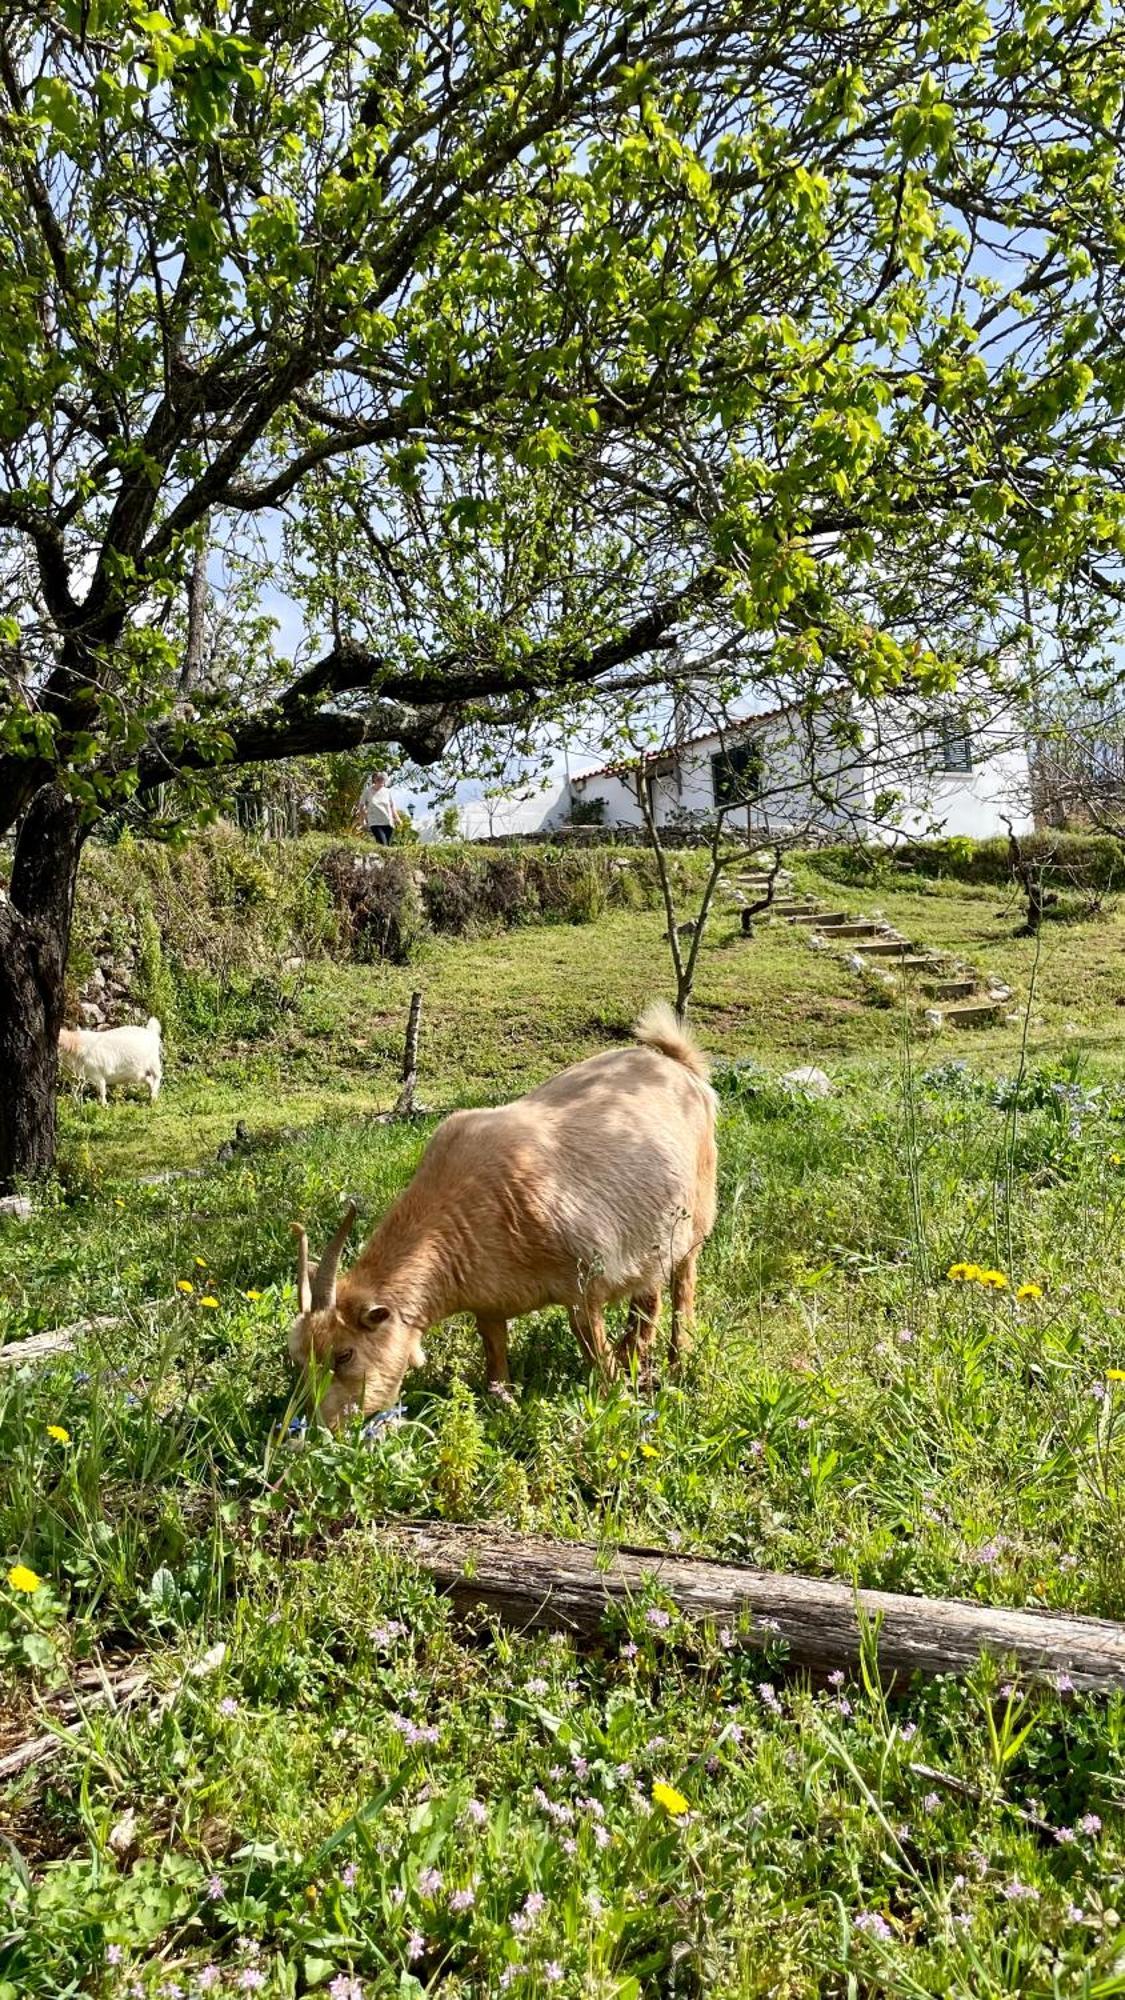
<point>683,1310</point>
<point>494,1333</point>
<point>588,1321</point>
<point>640,1328</point>
<point>100,1086</point>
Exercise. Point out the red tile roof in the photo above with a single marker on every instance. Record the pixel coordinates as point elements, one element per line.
<point>673,750</point>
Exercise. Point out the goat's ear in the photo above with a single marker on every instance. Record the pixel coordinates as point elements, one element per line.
<point>373,1316</point>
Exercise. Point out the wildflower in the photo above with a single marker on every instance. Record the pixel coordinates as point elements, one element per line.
<point>1090,1824</point>
<point>1029,1291</point>
<point>1075,1914</point>
<point>207,1978</point>
<point>509,1976</point>
<point>602,1837</point>
<point>1115,1374</point>
<point>1064,1683</point>
<point>963,1274</point>
<point>429,1881</point>
<point>415,1946</point>
<point>57,1432</point>
<point>931,1802</point>
<point>209,1299</point>
<point>1016,1891</point>
<point>1064,1835</point>
<point>667,1796</point>
<point>215,1890</point>
<point>537,1686</point>
<point>113,1954</point>
<point>992,1280</point>
<point>22,1578</point>
<point>461,1899</point>
<point>117,1201</point>
<point>905,1336</point>
<point>908,1731</point>
<point>253,1296</point>
<point>659,1620</point>
<point>836,1678</point>
<point>200,1263</point>
<point>476,1812</point>
<point>382,1636</point>
<point>251,1981</point>
<point>870,1922</point>
<point>348,1875</point>
<point>804,1423</point>
<point>184,1285</point>
<point>533,1907</point>
<point>768,1696</point>
<point>842,1705</point>
<point>343,1987</point>
<point>629,1650</point>
<point>228,1705</point>
<point>552,1972</point>
<point>726,1638</point>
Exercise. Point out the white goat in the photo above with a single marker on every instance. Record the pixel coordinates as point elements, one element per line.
<point>101,1056</point>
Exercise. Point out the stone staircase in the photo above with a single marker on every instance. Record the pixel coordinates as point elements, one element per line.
<point>955,993</point>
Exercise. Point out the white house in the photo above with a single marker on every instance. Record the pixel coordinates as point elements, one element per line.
<point>929,773</point>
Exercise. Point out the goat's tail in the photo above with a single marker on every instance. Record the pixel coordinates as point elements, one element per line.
<point>659,1028</point>
<point>152,1027</point>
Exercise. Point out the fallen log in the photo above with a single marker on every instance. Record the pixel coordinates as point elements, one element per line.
<point>532,1582</point>
<point>54,1340</point>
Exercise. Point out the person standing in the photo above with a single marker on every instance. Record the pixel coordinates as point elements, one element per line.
<point>376,808</point>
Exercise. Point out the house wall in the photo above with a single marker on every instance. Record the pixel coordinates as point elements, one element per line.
<point>785,799</point>
<point>971,804</point>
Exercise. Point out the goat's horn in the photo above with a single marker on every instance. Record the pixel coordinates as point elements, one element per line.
<point>304,1289</point>
<point>324,1277</point>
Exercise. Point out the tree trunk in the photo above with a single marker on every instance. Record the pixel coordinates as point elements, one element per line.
<point>35,923</point>
<point>531,1582</point>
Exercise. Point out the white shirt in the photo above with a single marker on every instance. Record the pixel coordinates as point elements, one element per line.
<point>376,803</point>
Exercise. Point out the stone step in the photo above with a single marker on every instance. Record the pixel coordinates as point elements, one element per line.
<point>917,961</point>
<point>885,947</point>
<point>822,917</point>
<point>975,1014</point>
<point>789,906</point>
<point>860,928</point>
<point>948,989</point>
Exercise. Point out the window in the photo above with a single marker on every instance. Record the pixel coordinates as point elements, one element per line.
<point>736,774</point>
<point>950,744</point>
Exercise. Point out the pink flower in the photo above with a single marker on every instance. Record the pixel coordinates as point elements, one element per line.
<point>1064,1835</point>
<point>208,1978</point>
<point>629,1650</point>
<point>345,1988</point>
<point>931,1802</point>
<point>872,1924</point>
<point>415,1946</point>
<point>1064,1683</point>
<point>908,1731</point>
<point>659,1620</point>
<point>836,1678</point>
<point>768,1696</point>
<point>228,1705</point>
<point>552,1972</point>
<point>1016,1891</point>
<point>477,1813</point>
<point>215,1890</point>
<point>348,1875</point>
<point>251,1981</point>
<point>113,1954</point>
<point>429,1881</point>
<point>1089,1824</point>
<point>461,1899</point>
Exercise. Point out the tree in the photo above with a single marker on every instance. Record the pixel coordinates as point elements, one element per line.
<point>523,339</point>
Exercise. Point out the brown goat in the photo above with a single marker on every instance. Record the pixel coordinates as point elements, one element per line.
<point>597,1186</point>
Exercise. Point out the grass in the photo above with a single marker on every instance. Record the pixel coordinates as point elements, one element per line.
<point>334,1788</point>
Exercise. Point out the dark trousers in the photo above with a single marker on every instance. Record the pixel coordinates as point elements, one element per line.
<point>380,833</point>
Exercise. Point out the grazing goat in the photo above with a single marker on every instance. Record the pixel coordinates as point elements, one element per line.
<point>597,1186</point>
<point>101,1056</point>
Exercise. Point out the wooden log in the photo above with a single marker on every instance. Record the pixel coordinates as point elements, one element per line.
<point>404,1106</point>
<point>54,1340</point>
<point>531,1582</point>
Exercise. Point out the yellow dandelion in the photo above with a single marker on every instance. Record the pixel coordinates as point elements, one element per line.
<point>1115,1374</point>
<point>184,1285</point>
<point>251,1295</point>
<point>57,1432</point>
<point>667,1796</point>
<point>117,1201</point>
<point>209,1299</point>
<point>959,1272</point>
<point>992,1280</point>
<point>1029,1291</point>
<point>22,1578</point>
<point>649,1451</point>
<point>200,1263</point>
<point>1115,1159</point>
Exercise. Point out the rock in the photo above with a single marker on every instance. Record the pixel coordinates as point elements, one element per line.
<point>293,964</point>
<point>818,943</point>
<point>934,1019</point>
<point>809,1081</point>
<point>122,1839</point>
<point>999,993</point>
<point>91,1015</point>
<point>17,1205</point>
<point>855,962</point>
<point>96,980</point>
